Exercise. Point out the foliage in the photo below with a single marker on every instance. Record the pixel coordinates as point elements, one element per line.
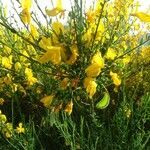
<point>82,84</point>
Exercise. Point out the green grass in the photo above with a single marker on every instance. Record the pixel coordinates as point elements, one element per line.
<point>97,130</point>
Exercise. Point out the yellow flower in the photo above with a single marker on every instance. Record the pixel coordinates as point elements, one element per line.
<point>7,50</point>
<point>97,58</point>
<point>142,16</point>
<point>115,78</point>
<point>98,7</point>
<point>145,53</point>
<point>7,62</point>
<point>111,54</point>
<point>97,63</point>
<point>53,54</point>
<point>14,87</point>
<point>34,31</point>
<point>23,58</point>
<point>28,72</point>
<point>64,83</point>
<point>88,36</point>
<point>69,107</point>
<point>8,79</point>
<point>29,75</point>
<point>3,118</point>
<point>31,81</point>
<point>25,16</point>
<point>17,66</point>
<point>90,85</point>
<point>93,70</point>
<point>101,29</point>
<point>45,42</point>
<point>57,27</point>
<point>26,4</point>
<point>126,60</point>
<point>91,15</point>
<point>58,9</point>
<point>74,55</point>
<point>7,130</point>
<point>47,100</point>
<point>1,101</point>
<point>20,129</point>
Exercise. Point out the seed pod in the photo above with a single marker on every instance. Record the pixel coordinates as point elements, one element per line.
<point>104,102</point>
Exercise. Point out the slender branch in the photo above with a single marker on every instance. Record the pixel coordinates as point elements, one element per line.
<point>121,56</point>
<point>99,19</point>
<point>129,51</point>
<point>25,39</point>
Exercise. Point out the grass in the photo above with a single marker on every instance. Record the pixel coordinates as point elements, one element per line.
<point>111,128</point>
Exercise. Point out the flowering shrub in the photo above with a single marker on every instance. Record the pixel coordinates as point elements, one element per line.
<point>79,64</point>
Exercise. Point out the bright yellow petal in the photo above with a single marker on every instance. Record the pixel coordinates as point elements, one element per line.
<point>90,85</point>
<point>93,70</point>
<point>53,12</point>
<point>97,58</point>
<point>57,27</point>
<point>26,4</point>
<point>59,4</point>
<point>47,100</point>
<point>111,54</point>
<point>69,107</point>
<point>53,54</point>
<point>25,16</point>
<point>45,42</point>
<point>28,72</point>
<point>34,31</point>
<point>115,78</point>
<point>58,9</point>
<point>142,16</point>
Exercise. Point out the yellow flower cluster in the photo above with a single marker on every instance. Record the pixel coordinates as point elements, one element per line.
<point>111,54</point>
<point>7,59</point>
<point>92,71</point>
<point>90,85</point>
<point>6,128</point>
<point>29,75</point>
<point>69,107</point>
<point>142,16</point>
<point>47,100</point>
<point>25,14</point>
<point>65,52</point>
<point>57,10</point>
<point>145,54</point>
<point>55,51</point>
<point>20,128</point>
<point>116,80</point>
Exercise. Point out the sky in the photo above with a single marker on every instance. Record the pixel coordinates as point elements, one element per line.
<point>144,4</point>
<point>43,3</point>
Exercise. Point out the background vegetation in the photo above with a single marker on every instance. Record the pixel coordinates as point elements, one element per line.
<point>79,84</point>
